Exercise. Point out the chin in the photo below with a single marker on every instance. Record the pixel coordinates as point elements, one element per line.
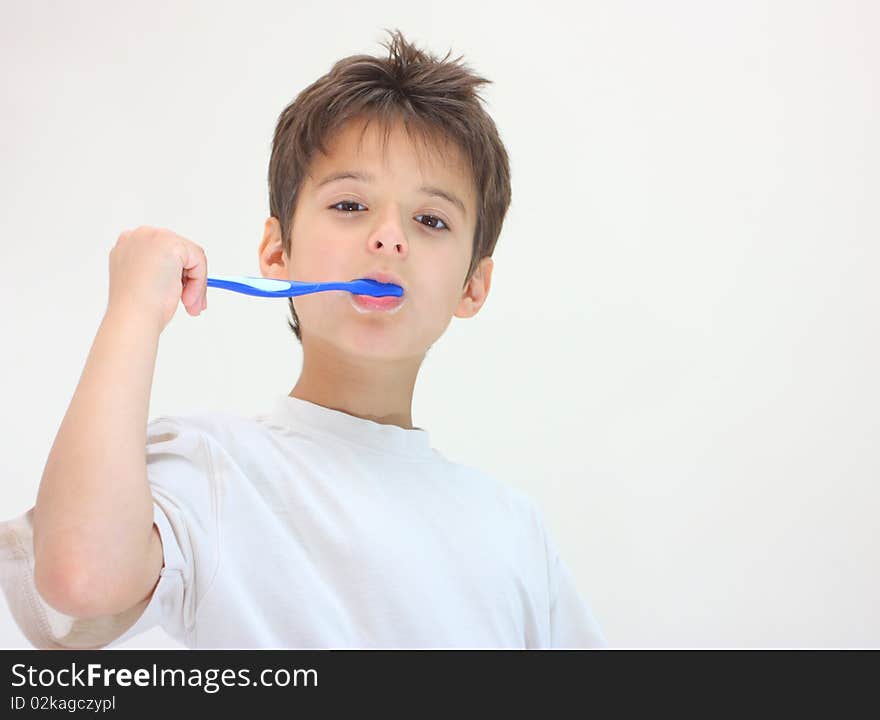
<point>375,340</point>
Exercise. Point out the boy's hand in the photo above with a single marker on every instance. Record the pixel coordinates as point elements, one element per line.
<point>151,269</point>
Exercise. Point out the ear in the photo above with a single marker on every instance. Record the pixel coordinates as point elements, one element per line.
<point>477,290</point>
<point>273,262</point>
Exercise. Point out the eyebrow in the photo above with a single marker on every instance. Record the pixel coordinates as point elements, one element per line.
<point>368,178</point>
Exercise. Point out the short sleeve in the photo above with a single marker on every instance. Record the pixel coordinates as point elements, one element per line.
<point>185,509</point>
<point>572,623</point>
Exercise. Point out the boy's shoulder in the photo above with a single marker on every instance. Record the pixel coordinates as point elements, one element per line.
<point>214,427</point>
<point>510,496</point>
<point>217,422</point>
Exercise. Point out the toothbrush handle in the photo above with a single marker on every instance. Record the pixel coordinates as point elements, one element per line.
<point>268,287</point>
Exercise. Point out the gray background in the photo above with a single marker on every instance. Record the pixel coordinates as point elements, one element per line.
<point>678,358</point>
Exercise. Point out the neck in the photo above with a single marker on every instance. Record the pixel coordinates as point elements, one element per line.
<point>376,389</point>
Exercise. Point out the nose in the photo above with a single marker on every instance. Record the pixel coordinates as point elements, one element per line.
<point>389,237</point>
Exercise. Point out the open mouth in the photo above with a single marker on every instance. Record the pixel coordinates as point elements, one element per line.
<point>367,303</point>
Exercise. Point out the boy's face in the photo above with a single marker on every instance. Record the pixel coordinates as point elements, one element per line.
<point>348,228</point>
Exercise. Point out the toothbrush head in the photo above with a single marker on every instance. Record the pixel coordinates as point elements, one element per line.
<point>368,286</point>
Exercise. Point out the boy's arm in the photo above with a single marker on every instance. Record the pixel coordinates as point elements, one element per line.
<point>95,547</point>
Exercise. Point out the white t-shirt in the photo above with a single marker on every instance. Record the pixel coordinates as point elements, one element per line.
<point>309,528</point>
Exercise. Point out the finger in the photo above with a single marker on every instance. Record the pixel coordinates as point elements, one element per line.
<point>196,272</point>
<point>123,236</point>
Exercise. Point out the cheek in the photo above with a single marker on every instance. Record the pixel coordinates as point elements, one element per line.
<point>438,294</point>
<point>316,258</point>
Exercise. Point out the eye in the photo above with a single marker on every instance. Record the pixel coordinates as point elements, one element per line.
<point>346,202</point>
<point>433,217</point>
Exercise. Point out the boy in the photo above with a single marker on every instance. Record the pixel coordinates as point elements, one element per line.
<point>329,522</point>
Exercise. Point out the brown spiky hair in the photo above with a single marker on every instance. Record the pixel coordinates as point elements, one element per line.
<point>434,98</point>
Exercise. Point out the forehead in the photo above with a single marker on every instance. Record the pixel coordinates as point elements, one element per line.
<point>392,148</point>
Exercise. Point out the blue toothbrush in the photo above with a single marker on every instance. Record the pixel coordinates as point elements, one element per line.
<point>268,287</point>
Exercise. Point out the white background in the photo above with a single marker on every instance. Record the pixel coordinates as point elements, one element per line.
<point>678,358</point>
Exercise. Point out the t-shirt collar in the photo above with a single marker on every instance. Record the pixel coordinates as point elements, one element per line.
<point>308,418</point>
